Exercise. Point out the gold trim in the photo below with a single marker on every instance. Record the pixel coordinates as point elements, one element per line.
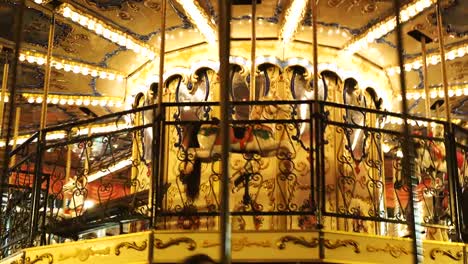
<point>342,243</point>
<point>239,244</point>
<point>281,243</point>
<point>448,253</point>
<point>130,245</point>
<point>191,244</point>
<point>394,251</point>
<point>84,254</point>
<point>48,256</point>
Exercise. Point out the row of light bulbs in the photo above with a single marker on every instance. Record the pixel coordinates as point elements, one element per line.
<point>399,121</point>
<point>71,66</point>
<point>81,131</point>
<point>106,31</point>
<point>458,90</point>
<point>200,19</point>
<point>294,15</point>
<point>386,26</point>
<point>454,52</point>
<point>75,100</point>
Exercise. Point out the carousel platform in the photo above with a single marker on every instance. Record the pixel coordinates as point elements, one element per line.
<point>247,247</point>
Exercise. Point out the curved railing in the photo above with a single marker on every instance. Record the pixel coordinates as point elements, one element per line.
<point>294,165</point>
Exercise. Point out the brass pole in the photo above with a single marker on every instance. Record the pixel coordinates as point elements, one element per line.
<point>68,164</point>
<point>443,64</point>
<point>157,152</point>
<point>224,39</point>
<point>253,49</point>
<point>425,79</point>
<point>48,69</point>
<point>15,133</point>
<point>412,213</point>
<point>2,97</point>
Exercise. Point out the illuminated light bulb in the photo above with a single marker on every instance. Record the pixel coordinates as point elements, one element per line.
<point>433,94</point>
<point>94,102</point>
<point>434,60</point>
<point>63,101</point>
<point>110,103</point>
<point>22,57</point>
<point>58,65</point>
<point>67,67</point>
<point>111,76</point>
<point>408,67</point>
<point>39,100</point>
<point>459,92</point>
<point>465,91</point>
<point>78,101</point>
<point>31,100</point>
<point>416,96</point>
<point>416,65</point>
<point>409,96</point>
<point>115,37</point>
<point>451,93</point>
<point>106,33</point>
<point>118,104</point>
<point>404,15</point>
<point>70,101</point>
<point>83,21</point>
<point>31,59</point>
<point>75,16</point>
<point>94,73</point>
<point>40,61</point>
<point>55,100</point>
<point>423,95</point>
<point>103,102</point>
<point>399,154</point>
<point>91,24</point>
<point>120,78</point>
<point>391,71</point>
<point>76,69</point>
<point>6,99</point>
<point>102,75</point>
<point>86,102</point>
<point>451,56</point>
<point>84,71</point>
<point>441,94</point>
<point>66,12</point>
<point>98,29</point>
<point>122,41</point>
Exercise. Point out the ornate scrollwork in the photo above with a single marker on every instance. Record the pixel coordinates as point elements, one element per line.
<point>46,256</point>
<point>191,244</point>
<point>438,251</point>
<point>239,244</point>
<point>130,245</point>
<point>281,243</point>
<point>394,251</point>
<point>342,243</point>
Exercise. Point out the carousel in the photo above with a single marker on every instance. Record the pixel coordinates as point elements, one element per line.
<point>286,131</point>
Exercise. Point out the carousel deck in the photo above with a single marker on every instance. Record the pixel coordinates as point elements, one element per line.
<point>258,247</point>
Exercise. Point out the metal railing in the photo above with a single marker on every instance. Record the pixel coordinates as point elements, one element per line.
<point>291,166</point>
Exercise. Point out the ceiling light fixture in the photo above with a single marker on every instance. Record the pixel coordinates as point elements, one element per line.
<point>294,16</point>
<point>387,25</point>
<point>71,66</point>
<point>454,52</point>
<point>106,31</point>
<point>200,19</point>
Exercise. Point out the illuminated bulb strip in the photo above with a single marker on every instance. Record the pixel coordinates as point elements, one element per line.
<point>106,31</point>
<point>200,19</point>
<point>75,100</point>
<point>454,90</point>
<point>294,16</point>
<point>399,121</point>
<point>103,128</point>
<point>388,25</point>
<point>71,66</point>
<point>457,51</point>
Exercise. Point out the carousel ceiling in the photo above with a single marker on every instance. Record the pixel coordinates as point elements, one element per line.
<point>98,44</point>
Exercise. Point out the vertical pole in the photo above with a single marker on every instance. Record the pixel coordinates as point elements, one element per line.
<point>15,133</point>
<point>3,95</point>
<point>443,64</point>
<point>253,49</point>
<point>224,39</point>
<point>425,80</point>
<point>48,69</point>
<point>157,115</point>
<point>19,15</point>
<point>408,150</point>
<point>318,145</point>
